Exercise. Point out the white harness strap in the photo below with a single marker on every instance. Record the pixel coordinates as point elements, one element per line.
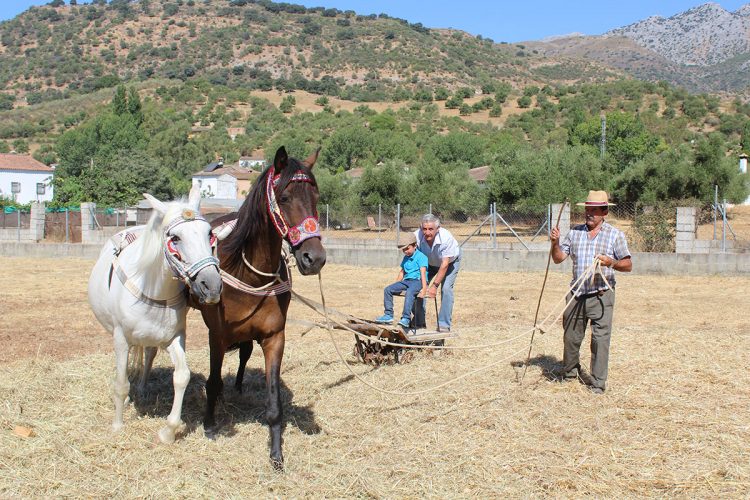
<point>178,300</point>
<point>275,287</point>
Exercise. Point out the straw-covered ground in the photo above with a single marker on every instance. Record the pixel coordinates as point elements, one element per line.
<point>673,423</point>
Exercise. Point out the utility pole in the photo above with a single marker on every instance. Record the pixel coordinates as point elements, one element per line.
<point>603,144</point>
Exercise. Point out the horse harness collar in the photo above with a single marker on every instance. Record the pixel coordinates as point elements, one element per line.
<point>181,271</point>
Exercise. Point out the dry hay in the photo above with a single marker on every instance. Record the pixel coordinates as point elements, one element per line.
<point>674,421</point>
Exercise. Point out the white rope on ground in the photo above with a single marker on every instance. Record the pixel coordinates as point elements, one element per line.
<point>315,306</point>
<point>591,270</point>
<point>402,393</point>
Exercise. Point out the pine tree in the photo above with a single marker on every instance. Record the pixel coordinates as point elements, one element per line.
<point>134,106</point>
<point>120,102</point>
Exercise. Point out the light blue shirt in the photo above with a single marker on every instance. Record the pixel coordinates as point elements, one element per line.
<point>411,265</point>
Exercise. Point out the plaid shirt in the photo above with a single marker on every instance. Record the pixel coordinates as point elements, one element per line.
<point>609,241</point>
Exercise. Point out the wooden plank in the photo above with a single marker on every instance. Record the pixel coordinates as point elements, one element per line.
<point>421,336</point>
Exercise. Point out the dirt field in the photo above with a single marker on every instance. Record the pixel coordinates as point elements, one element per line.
<point>674,421</point>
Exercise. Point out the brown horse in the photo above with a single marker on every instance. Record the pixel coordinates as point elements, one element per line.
<point>254,301</point>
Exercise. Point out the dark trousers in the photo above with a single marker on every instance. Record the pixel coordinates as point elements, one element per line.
<point>598,310</point>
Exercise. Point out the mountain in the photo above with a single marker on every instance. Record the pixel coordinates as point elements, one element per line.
<point>702,36</point>
<point>52,51</point>
<point>58,50</point>
<point>704,49</point>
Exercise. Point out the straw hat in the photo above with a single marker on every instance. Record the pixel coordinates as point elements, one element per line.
<point>405,239</point>
<point>596,199</point>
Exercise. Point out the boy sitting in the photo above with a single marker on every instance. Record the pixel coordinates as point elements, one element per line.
<point>412,279</point>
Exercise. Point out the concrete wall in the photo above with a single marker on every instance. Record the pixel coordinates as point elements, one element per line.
<point>505,260</point>
<point>474,259</point>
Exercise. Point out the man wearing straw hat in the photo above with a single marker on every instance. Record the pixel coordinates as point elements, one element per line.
<point>599,248</point>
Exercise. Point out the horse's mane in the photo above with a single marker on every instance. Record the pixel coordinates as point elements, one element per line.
<point>152,239</point>
<point>252,217</point>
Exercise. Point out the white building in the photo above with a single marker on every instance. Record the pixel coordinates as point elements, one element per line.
<point>225,182</point>
<point>24,179</point>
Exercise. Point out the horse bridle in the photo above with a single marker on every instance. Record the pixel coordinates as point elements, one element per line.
<point>295,235</point>
<point>174,259</point>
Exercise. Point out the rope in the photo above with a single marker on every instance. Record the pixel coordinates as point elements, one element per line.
<point>399,393</point>
<point>595,266</point>
<point>316,306</point>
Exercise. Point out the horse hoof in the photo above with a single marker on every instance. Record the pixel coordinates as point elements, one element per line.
<point>166,435</point>
<point>211,433</point>
<point>278,464</point>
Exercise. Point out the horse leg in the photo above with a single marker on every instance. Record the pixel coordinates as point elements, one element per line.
<point>246,349</point>
<point>148,363</point>
<point>273,351</point>
<point>120,384</point>
<point>214,384</point>
<point>180,380</point>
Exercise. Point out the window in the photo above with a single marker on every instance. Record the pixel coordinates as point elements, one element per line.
<point>40,188</point>
<point>15,187</point>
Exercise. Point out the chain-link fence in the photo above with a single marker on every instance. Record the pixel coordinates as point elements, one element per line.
<point>498,227</point>
<point>648,227</point>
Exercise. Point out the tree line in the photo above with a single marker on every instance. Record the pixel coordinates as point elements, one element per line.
<point>415,156</point>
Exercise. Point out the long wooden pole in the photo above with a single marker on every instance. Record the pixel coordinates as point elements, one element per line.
<point>541,293</point>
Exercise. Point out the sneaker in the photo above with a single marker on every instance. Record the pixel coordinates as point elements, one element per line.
<point>403,323</point>
<point>386,318</point>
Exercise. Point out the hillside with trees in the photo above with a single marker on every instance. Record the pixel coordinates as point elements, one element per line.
<point>127,97</point>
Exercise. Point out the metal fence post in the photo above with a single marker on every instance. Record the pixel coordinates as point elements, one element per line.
<point>380,212</point>
<point>430,209</point>
<point>18,228</point>
<point>494,225</point>
<point>724,226</point>
<point>716,204</point>
<point>398,221</point>
<point>117,218</point>
<point>67,225</point>
<point>327,216</point>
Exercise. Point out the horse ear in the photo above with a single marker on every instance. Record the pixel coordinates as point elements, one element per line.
<point>310,161</point>
<point>155,204</point>
<point>281,159</point>
<point>194,198</point>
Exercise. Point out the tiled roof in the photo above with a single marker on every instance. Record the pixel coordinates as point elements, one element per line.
<point>10,161</point>
<point>233,170</point>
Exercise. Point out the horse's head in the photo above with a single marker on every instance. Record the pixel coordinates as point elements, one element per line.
<point>296,196</point>
<point>187,241</point>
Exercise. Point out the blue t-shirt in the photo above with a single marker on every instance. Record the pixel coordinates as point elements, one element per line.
<point>411,265</point>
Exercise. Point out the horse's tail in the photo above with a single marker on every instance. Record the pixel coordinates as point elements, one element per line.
<point>135,361</point>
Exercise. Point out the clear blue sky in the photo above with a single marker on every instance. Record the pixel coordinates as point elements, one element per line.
<point>503,21</point>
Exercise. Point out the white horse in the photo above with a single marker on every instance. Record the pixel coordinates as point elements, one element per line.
<point>137,292</point>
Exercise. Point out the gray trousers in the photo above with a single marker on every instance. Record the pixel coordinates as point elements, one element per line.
<point>598,310</point>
